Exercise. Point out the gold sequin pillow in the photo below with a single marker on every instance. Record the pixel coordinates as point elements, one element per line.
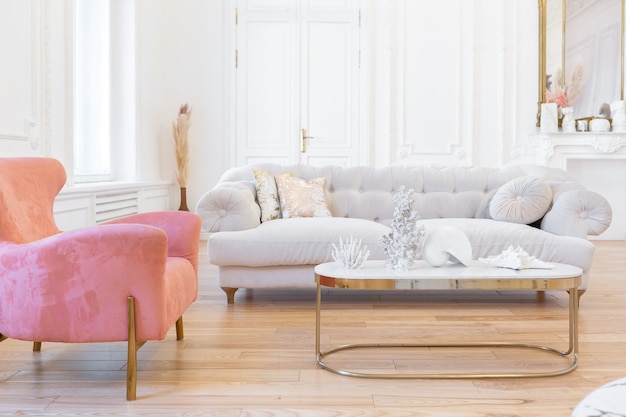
<point>300,198</point>
<point>267,195</point>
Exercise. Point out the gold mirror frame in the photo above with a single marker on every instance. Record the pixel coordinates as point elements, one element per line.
<point>543,48</point>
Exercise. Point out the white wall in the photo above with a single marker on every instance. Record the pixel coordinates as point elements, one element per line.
<point>464,75</point>
<point>182,58</point>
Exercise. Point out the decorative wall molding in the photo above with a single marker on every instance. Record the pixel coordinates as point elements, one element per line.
<point>47,80</point>
<point>28,139</point>
<point>433,118</point>
<point>575,7</point>
<point>383,83</point>
<point>501,110</point>
<point>555,149</point>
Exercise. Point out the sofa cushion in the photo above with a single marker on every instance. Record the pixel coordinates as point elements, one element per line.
<point>267,195</point>
<point>295,241</point>
<point>521,200</point>
<point>308,241</point>
<point>301,198</point>
<point>489,237</point>
<point>482,212</point>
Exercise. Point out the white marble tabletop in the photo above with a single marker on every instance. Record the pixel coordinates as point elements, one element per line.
<point>609,400</point>
<point>375,275</point>
<point>377,269</point>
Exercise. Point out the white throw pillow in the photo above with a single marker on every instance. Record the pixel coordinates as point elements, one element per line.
<point>521,200</point>
<point>482,212</point>
<point>300,198</point>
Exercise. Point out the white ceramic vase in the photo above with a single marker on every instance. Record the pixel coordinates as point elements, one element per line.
<point>568,124</point>
<point>549,122</point>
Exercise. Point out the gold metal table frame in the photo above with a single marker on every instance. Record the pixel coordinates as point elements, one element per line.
<point>374,276</point>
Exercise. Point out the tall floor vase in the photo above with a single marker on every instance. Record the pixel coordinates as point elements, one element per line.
<point>183,199</point>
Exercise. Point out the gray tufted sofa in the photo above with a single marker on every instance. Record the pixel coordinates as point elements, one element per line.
<point>283,252</point>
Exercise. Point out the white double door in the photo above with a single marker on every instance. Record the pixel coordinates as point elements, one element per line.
<point>298,82</point>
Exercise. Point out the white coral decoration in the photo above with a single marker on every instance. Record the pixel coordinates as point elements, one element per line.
<point>515,258</point>
<point>350,254</point>
<point>404,242</point>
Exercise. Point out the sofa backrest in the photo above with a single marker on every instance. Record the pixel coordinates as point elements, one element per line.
<point>439,192</point>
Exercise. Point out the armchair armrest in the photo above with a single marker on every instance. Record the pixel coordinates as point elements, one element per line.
<point>182,229</point>
<point>82,278</point>
<point>578,213</point>
<point>229,206</point>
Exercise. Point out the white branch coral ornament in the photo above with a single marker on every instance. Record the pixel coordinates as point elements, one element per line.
<point>404,242</point>
<point>350,254</point>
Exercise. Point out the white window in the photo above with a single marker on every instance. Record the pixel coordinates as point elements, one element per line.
<point>92,145</point>
<point>104,90</point>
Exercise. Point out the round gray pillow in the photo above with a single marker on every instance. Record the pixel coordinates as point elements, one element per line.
<point>522,200</point>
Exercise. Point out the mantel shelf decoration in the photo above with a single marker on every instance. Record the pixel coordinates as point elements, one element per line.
<point>180,129</point>
<point>404,242</point>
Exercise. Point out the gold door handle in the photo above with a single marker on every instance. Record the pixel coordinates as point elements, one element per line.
<point>303,138</point>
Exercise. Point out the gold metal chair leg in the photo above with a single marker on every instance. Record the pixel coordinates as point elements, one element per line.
<point>133,347</point>
<point>179,329</point>
<point>131,371</point>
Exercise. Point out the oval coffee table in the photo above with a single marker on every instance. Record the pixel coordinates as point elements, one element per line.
<point>373,275</point>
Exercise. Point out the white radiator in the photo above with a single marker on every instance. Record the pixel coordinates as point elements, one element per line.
<point>113,206</point>
<point>85,206</point>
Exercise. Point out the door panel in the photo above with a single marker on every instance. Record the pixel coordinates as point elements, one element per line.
<point>266,60</point>
<point>298,67</point>
<point>330,84</point>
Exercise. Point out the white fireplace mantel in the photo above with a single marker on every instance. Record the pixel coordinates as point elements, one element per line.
<point>555,149</point>
<point>596,160</point>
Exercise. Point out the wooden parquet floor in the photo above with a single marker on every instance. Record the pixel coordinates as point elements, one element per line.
<point>256,358</point>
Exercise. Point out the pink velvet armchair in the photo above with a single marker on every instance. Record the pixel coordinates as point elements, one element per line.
<point>127,280</point>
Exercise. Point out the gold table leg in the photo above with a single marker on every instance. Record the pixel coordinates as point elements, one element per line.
<point>572,350</point>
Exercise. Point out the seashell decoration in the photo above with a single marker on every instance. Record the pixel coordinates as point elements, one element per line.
<point>351,253</point>
<point>515,258</point>
<point>447,244</point>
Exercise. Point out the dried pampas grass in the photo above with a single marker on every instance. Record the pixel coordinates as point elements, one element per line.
<point>577,81</point>
<point>180,129</point>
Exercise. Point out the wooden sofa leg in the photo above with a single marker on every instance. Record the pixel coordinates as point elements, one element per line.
<point>179,329</point>
<point>230,294</point>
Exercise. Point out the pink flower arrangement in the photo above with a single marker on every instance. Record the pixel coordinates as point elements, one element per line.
<point>558,96</point>
<point>566,94</point>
